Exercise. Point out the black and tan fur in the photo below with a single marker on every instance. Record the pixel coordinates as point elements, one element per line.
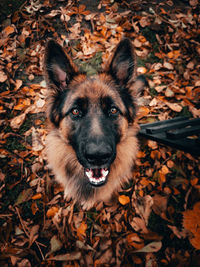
<point>92,124</point>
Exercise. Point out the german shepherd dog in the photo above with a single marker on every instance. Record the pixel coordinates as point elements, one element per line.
<point>92,143</point>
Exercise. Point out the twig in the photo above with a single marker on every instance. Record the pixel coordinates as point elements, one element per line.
<point>26,232</point>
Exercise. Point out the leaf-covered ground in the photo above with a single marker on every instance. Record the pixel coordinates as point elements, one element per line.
<point>155,221</point>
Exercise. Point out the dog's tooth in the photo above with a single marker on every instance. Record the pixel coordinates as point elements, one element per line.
<point>88,173</point>
<point>105,172</point>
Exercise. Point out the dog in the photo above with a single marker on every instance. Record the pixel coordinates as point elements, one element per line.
<point>92,142</point>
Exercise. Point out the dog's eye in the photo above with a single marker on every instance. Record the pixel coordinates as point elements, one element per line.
<point>76,112</point>
<point>113,111</point>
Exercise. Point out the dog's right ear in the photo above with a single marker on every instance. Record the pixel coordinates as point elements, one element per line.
<point>58,67</point>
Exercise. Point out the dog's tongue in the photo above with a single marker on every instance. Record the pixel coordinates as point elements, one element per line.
<point>97,176</point>
<point>96,173</point>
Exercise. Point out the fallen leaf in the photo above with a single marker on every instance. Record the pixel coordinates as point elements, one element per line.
<point>24,196</point>
<point>67,257</point>
<point>56,244</point>
<point>138,225</point>
<point>3,76</point>
<point>143,207</point>
<point>81,231</point>
<point>33,234</point>
<point>17,121</point>
<point>169,93</point>
<point>191,222</point>
<point>174,106</point>
<point>34,208</point>
<point>52,211</point>
<point>152,247</point>
<point>135,241</point>
<point>168,66</point>
<point>18,84</point>
<point>37,196</point>
<point>124,199</point>
<point>9,30</point>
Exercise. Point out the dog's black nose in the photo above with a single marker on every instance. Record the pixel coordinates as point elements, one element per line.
<point>98,154</point>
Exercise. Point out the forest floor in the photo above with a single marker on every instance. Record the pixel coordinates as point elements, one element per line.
<point>155,221</point>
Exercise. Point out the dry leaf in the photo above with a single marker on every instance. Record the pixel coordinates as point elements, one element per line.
<point>168,66</point>
<point>33,234</point>
<point>9,30</point>
<point>135,241</point>
<point>52,211</point>
<point>3,76</point>
<point>191,222</point>
<point>67,257</point>
<point>24,196</point>
<point>169,93</point>
<point>138,225</point>
<point>124,199</point>
<point>17,121</point>
<point>143,207</point>
<point>56,244</point>
<point>37,196</point>
<point>81,231</point>
<point>174,106</point>
<point>152,247</point>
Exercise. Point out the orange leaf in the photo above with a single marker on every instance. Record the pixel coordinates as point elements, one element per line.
<point>161,178</point>
<point>81,231</point>
<point>135,241</point>
<point>52,211</point>
<point>143,111</point>
<point>34,208</point>
<point>170,164</point>
<point>37,196</point>
<point>9,30</point>
<point>191,222</point>
<point>141,154</point>
<point>194,181</point>
<point>164,169</point>
<point>124,199</point>
<point>174,54</point>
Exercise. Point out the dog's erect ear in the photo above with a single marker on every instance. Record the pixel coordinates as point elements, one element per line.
<point>58,67</point>
<point>122,63</point>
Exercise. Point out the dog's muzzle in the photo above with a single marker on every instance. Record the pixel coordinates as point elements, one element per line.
<point>98,157</point>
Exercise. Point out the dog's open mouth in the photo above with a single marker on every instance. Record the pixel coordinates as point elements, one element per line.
<point>97,176</point>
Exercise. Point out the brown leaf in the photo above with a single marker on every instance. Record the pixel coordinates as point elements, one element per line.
<point>81,231</point>
<point>9,30</point>
<point>52,211</point>
<point>135,241</point>
<point>67,257</point>
<point>152,247</point>
<point>17,121</point>
<point>191,222</point>
<point>56,244</point>
<point>138,225</point>
<point>160,205</point>
<point>174,106</point>
<point>143,207</point>
<point>3,76</point>
<point>33,234</point>
<point>24,196</point>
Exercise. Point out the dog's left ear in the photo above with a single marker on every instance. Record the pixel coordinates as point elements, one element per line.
<point>122,66</point>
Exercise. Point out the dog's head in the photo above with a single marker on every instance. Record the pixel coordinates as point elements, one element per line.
<point>92,114</point>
